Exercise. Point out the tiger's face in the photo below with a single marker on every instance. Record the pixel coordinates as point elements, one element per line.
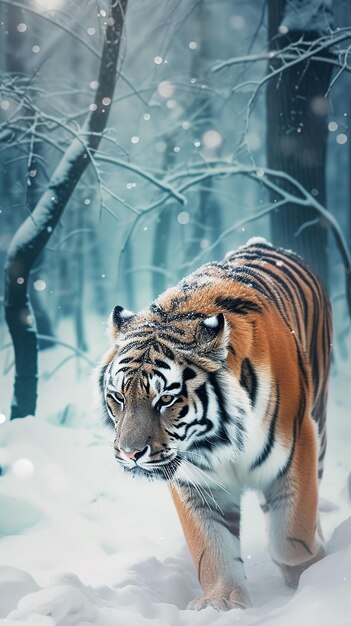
<point>156,390</point>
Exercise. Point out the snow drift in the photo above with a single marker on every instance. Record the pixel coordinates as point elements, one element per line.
<point>81,543</point>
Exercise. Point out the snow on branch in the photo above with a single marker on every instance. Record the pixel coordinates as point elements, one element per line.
<point>199,172</point>
<point>74,35</point>
<point>296,52</point>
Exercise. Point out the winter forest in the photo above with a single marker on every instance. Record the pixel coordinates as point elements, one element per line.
<point>138,141</point>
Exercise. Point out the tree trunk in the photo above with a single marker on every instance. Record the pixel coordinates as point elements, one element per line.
<point>22,188</point>
<point>33,234</point>
<point>163,226</point>
<point>208,216</point>
<point>297,137</point>
<point>126,276</point>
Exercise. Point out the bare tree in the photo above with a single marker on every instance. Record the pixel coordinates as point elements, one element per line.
<point>163,227</point>
<point>296,114</point>
<point>33,234</point>
<point>24,178</point>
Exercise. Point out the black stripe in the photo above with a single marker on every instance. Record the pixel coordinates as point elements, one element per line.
<point>183,411</point>
<point>139,333</point>
<point>189,374</point>
<point>230,520</point>
<point>133,344</point>
<point>172,386</point>
<point>162,364</point>
<point>184,436</point>
<point>276,502</point>
<point>126,368</point>
<point>301,542</point>
<point>106,417</point>
<point>248,379</point>
<point>287,465</point>
<point>302,407</point>
<point>167,351</point>
<point>225,417</point>
<point>102,377</point>
<point>199,566</point>
<point>271,435</point>
<point>247,277</point>
<point>301,362</point>
<point>202,394</point>
<point>238,305</point>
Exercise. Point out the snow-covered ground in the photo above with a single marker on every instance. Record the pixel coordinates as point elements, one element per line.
<point>81,543</point>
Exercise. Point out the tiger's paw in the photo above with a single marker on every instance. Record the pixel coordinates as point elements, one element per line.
<point>218,603</point>
<point>292,573</point>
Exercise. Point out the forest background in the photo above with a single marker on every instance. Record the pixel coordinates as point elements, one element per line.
<point>138,140</point>
<point>228,119</point>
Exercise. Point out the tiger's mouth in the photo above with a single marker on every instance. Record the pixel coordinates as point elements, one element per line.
<point>161,471</point>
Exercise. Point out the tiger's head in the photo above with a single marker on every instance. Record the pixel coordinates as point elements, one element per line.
<point>157,387</point>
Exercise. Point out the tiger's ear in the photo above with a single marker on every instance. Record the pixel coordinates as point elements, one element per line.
<point>213,337</point>
<point>118,318</point>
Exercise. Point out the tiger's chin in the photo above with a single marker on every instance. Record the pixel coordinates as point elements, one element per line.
<point>163,472</point>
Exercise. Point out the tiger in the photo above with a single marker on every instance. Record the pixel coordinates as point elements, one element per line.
<point>220,386</point>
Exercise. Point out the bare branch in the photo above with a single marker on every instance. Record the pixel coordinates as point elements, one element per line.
<point>34,233</point>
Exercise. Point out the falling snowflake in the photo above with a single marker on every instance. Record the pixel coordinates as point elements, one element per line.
<point>237,22</point>
<point>183,217</point>
<point>341,138</point>
<point>212,139</point>
<point>39,285</point>
<point>165,89</point>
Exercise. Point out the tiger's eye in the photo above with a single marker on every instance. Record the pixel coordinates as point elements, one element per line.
<point>119,397</point>
<point>166,399</point>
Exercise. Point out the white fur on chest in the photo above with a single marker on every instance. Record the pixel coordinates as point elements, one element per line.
<point>231,468</point>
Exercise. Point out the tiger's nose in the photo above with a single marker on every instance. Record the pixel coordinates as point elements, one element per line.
<point>134,454</point>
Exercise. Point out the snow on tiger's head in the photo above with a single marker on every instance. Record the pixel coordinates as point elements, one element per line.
<point>153,385</point>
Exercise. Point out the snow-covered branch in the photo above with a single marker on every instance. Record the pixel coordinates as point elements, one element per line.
<point>296,52</point>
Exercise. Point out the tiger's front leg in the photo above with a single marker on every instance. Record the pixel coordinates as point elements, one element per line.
<point>212,531</point>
